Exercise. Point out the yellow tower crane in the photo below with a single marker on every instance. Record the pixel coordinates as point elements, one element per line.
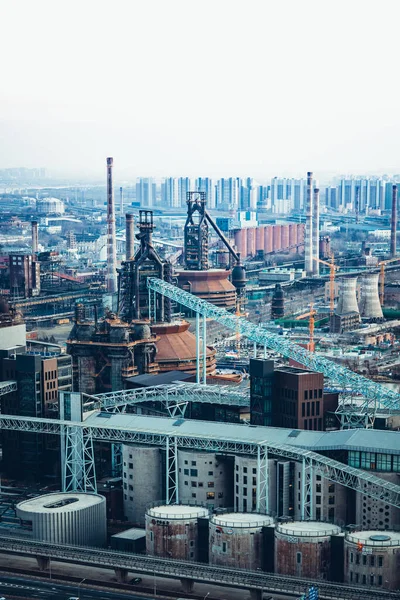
<point>382,266</point>
<point>332,268</point>
<point>311,324</point>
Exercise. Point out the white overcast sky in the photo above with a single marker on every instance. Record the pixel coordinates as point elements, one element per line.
<point>210,87</point>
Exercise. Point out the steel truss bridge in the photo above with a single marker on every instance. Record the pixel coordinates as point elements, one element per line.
<point>371,396</point>
<point>173,397</point>
<point>78,459</point>
<point>187,572</point>
<point>6,387</point>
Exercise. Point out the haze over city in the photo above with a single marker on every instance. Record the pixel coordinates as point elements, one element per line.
<point>219,88</point>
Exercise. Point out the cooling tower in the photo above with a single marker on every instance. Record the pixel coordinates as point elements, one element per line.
<point>347,296</point>
<point>370,306</point>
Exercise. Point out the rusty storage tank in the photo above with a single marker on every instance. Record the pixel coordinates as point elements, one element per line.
<point>241,242</point>
<point>172,531</point>
<point>176,348</point>
<point>212,285</point>
<point>268,238</point>
<point>285,236</point>
<point>292,234</point>
<point>300,233</point>
<point>236,540</point>
<point>372,558</point>
<point>251,241</point>
<point>303,549</point>
<point>259,238</point>
<point>277,237</point>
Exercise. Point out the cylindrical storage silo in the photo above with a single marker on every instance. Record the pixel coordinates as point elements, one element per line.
<point>276,238</point>
<point>251,241</point>
<point>303,549</point>
<point>241,242</point>
<point>236,540</point>
<point>372,558</point>
<point>268,238</point>
<point>370,306</point>
<point>292,234</point>
<point>347,296</point>
<point>259,238</point>
<point>66,518</point>
<point>285,236</point>
<point>172,531</point>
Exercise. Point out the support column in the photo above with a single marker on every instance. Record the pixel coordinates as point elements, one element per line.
<point>197,348</point>
<point>43,562</point>
<point>265,351</point>
<point>116,459</point>
<point>121,574</point>
<point>78,469</point>
<point>307,504</point>
<point>262,488</point>
<point>187,585</point>
<point>204,350</point>
<point>171,471</point>
<point>255,349</point>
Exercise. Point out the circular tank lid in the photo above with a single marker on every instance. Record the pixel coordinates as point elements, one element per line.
<point>60,502</point>
<point>308,528</point>
<point>177,511</point>
<point>380,538</point>
<point>242,520</point>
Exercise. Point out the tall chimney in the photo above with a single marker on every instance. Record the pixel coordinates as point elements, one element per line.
<point>35,237</point>
<point>393,225</point>
<point>111,238</point>
<point>129,249</point>
<point>315,231</point>
<point>121,203</point>
<point>308,246</point>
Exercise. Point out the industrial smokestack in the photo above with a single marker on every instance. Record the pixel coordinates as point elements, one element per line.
<point>121,203</point>
<point>315,232</point>
<point>129,249</point>
<point>393,226</point>
<point>35,237</point>
<point>308,246</point>
<point>111,239</point>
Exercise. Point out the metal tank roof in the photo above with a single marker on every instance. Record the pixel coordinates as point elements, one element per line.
<point>177,511</point>
<point>308,529</point>
<point>376,538</point>
<point>60,502</point>
<point>242,520</point>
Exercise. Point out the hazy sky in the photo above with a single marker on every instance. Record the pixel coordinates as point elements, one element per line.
<point>212,87</point>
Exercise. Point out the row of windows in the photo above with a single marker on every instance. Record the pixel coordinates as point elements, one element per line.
<point>311,408</point>
<point>374,461</point>
<point>210,484</point>
<point>314,424</point>
<point>245,479</point>
<point>372,561</point>
<point>254,470</point>
<point>373,580</point>
<point>308,394</point>
<point>50,375</point>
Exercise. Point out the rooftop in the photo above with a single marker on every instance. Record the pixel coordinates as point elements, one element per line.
<point>350,439</point>
<point>59,502</point>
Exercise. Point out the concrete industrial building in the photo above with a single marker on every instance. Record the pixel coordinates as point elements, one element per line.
<point>63,518</point>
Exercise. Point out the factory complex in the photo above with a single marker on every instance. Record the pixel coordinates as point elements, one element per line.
<point>223,388</point>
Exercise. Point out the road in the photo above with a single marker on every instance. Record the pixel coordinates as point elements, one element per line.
<point>31,588</point>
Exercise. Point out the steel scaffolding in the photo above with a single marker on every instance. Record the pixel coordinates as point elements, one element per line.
<point>361,481</point>
<point>374,395</point>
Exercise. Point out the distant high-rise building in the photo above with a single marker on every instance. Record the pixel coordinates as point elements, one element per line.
<point>206,185</point>
<point>287,194</point>
<point>372,194</point>
<point>170,193</point>
<point>146,192</point>
<point>185,185</point>
<point>228,193</point>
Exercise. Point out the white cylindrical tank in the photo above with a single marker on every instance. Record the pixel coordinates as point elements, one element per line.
<point>172,531</point>
<point>236,540</point>
<point>66,518</point>
<point>372,558</point>
<point>347,296</point>
<point>303,549</point>
<point>370,305</point>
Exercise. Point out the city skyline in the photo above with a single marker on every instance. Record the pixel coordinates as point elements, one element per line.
<point>172,89</point>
